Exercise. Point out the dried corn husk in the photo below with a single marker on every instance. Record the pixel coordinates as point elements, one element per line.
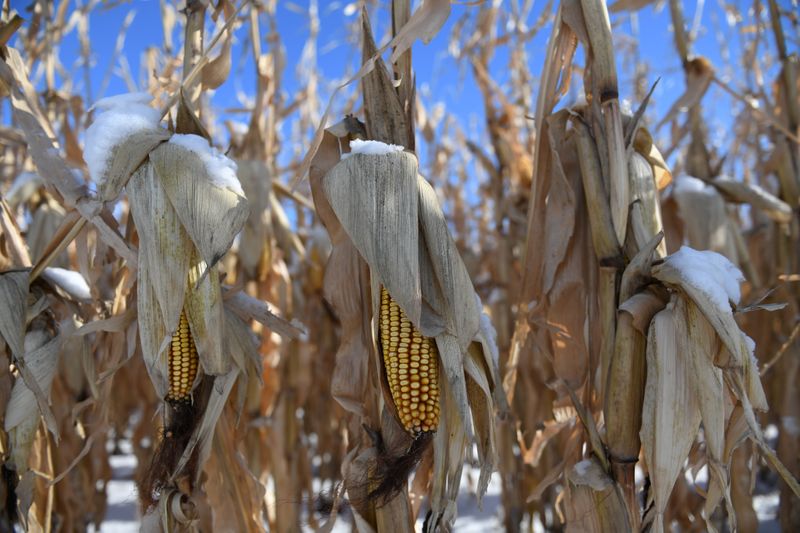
<point>14,300</point>
<point>22,414</point>
<point>671,414</point>
<point>376,198</point>
<point>595,502</point>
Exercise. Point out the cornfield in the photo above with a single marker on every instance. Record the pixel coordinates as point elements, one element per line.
<point>322,296</point>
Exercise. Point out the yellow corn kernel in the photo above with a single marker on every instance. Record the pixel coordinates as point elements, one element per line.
<point>411,362</point>
<point>182,363</point>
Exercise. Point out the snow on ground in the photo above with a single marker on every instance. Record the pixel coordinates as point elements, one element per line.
<point>122,514</point>
<point>123,517</point>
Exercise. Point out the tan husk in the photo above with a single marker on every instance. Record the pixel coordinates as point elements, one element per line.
<point>211,215</point>
<point>22,414</point>
<point>14,300</point>
<point>595,503</point>
<point>373,198</point>
<point>671,414</point>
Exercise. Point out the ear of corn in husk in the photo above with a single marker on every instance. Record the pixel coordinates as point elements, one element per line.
<point>187,207</point>
<point>376,198</point>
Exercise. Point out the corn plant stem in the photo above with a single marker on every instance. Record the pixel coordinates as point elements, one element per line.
<point>699,167</point>
<point>782,350</point>
<point>608,290</point>
<point>789,74</point>
<point>401,13</point>
<point>193,48</point>
<point>198,67</point>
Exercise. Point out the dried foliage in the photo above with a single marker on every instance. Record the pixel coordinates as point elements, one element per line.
<point>589,299</point>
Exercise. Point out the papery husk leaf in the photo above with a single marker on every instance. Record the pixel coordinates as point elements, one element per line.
<point>723,323</point>
<point>741,192</point>
<point>736,432</point>
<point>452,359</point>
<point>705,220</point>
<point>126,157</point>
<point>448,459</point>
<point>643,144</point>
<point>241,344</point>
<point>479,396</point>
<point>204,312</point>
<point>211,215</point>
<point>346,282</point>
<point>595,503</point>
<point>671,413</point>
<point>754,387</point>
<point>216,71</point>
<point>345,285</point>
<point>709,390</point>
<point>153,334</point>
<point>637,274</point>
<point>14,304</point>
<point>163,243</point>
<point>204,431</point>
<point>248,307</point>
<point>645,216</point>
<point>254,241</point>
<point>22,414</point>
<point>374,197</point>
<point>462,316</point>
<point>560,217</point>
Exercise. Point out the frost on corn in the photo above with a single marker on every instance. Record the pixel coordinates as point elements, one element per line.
<point>689,184</point>
<point>220,168</point>
<point>117,118</point>
<point>72,282</point>
<point>358,146</point>
<point>710,273</point>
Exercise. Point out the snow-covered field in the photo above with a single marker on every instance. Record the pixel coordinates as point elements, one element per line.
<point>122,515</point>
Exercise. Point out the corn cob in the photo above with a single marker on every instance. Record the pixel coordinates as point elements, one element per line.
<point>411,362</point>
<point>182,363</point>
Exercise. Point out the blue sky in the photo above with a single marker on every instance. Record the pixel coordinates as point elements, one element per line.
<point>439,78</point>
